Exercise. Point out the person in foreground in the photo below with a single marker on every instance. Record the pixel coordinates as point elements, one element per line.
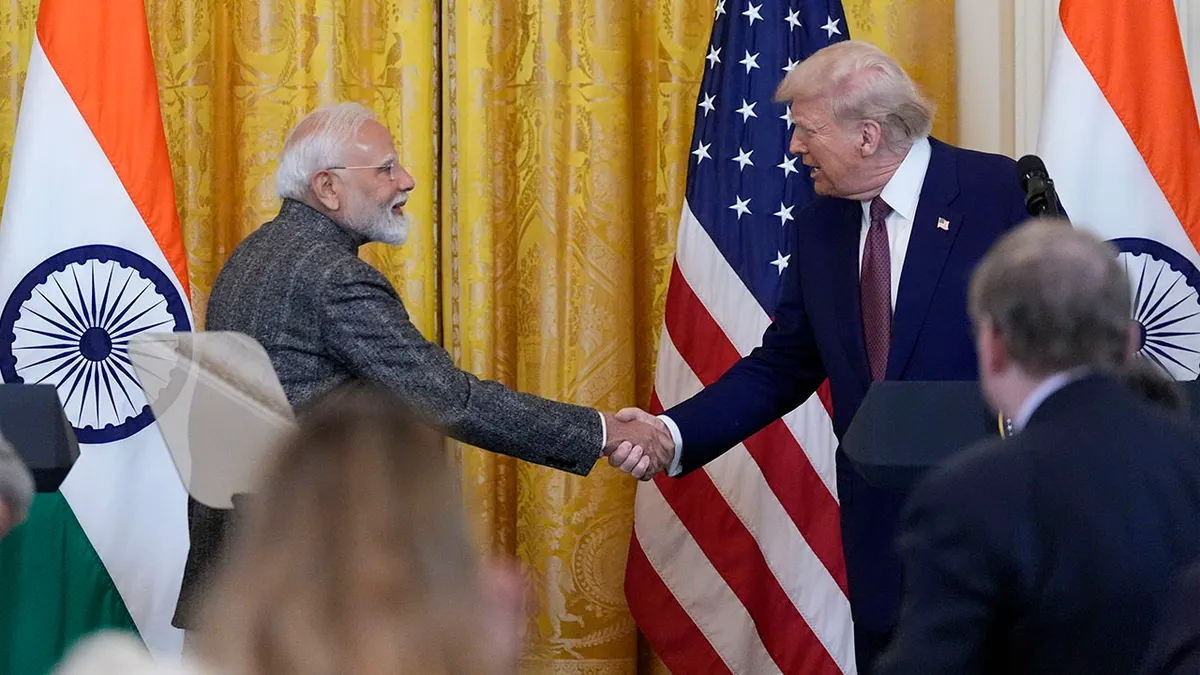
<point>353,557</point>
<point>16,488</point>
<point>326,317</point>
<point>1050,551</point>
<point>876,290</point>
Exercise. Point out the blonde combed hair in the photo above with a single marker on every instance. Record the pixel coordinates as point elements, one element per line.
<point>353,558</point>
<point>860,82</point>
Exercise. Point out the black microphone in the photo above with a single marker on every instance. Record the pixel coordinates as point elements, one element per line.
<point>1040,198</point>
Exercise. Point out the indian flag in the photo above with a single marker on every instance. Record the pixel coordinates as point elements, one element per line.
<point>1121,140</point>
<point>91,254</point>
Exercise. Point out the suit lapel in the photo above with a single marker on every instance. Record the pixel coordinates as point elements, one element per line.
<point>845,238</point>
<point>933,233</point>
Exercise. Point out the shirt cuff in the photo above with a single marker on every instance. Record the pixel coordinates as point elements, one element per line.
<point>676,467</point>
<point>603,433</point>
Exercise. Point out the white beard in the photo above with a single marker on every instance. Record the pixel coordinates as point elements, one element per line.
<point>377,222</point>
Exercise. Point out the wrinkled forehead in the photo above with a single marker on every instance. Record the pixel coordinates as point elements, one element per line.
<point>372,145</point>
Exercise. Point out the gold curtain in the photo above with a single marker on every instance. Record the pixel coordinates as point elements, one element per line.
<point>920,35</point>
<point>549,141</point>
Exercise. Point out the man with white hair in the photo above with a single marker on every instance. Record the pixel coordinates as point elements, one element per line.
<point>876,290</point>
<point>326,317</point>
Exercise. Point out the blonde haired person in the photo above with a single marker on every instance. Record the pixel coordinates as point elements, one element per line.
<point>354,558</point>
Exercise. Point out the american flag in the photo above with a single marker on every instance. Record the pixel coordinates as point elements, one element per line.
<point>737,567</point>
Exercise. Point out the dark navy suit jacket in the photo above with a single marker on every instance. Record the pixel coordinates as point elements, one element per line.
<point>818,334</point>
<point>1052,552</point>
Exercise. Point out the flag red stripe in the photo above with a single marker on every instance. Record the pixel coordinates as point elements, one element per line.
<point>731,549</point>
<point>786,467</point>
<point>664,622</point>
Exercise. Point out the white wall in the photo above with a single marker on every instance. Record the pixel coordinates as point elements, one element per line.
<point>1003,49</point>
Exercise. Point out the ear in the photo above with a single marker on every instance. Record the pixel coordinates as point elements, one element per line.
<point>326,190</point>
<point>870,137</point>
<point>1134,342</point>
<point>993,352</point>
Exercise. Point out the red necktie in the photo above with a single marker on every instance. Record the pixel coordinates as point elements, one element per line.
<point>875,290</point>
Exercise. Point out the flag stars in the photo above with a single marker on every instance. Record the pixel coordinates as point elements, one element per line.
<point>701,152</point>
<point>788,165</point>
<point>714,56</point>
<point>707,103</point>
<point>751,61</point>
<point>747,110</point>
<point>753,12</point>
<point>781,261</point>
<point>787,117</point>
<point>793,19</point>
<point>784,214</point>
<point>743,159</point>
<point>790,64</point>
<point>831,26</point>
<point>742,207</point>
<point>720,7</point>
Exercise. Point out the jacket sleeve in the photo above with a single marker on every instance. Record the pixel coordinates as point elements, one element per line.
<point>757,390</point>
<point>367,328</point>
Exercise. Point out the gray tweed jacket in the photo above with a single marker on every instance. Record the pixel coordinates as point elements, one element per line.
<point>325,318</point>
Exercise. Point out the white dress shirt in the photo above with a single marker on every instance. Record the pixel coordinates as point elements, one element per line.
<point>902,192</point>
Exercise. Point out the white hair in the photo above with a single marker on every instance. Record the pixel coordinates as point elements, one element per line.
<point>860,82</point>
<point>317,143</point>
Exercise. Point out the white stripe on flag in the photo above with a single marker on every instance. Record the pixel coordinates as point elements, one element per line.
<point>801,574</point>
<point>690,577</point>
<point>1100,174</point>
<point>126,495</point>
<point>743,321</point>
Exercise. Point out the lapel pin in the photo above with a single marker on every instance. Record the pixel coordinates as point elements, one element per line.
<point>943,224</point>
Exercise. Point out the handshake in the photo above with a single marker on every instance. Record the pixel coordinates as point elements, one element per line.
<point>638,443</point>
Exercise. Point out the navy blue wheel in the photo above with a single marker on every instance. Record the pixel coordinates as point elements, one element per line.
<point>1166,305</point>
<point>69,323</point>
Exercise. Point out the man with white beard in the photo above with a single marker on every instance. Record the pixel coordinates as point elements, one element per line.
<point>327,318</point>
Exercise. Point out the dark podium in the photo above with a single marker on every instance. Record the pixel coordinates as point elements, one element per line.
<point>903,428</point>
<point>32,419</point>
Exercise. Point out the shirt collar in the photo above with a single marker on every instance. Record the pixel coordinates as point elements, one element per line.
<point>904,188</point>
<point>1043,391</point>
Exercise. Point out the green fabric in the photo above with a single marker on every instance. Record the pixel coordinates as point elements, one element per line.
<point>53,589</point>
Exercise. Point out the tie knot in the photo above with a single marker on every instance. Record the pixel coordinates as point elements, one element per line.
<point>879,210</point>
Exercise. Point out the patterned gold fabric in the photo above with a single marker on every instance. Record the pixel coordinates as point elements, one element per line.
<point>549,143</point>
<point>920,34</point>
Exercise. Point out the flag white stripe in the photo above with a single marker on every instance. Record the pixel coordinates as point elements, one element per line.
<point>802,575</point>
<point>1099,173</point>
<point>690,577</point>
<point>743,321</point>
<point>126,495</point>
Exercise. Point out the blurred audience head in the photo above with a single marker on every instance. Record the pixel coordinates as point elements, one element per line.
<point>1047,298</point>
<point>354,557</point>
<point>1157,387</point>
<point>16,488</point>
<point>342,162</point>
<point>857,113</point>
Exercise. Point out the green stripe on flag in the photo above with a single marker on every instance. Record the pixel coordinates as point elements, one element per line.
<point>53,589</point>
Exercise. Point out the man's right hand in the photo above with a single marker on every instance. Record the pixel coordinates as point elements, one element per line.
<point>638,443</point>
